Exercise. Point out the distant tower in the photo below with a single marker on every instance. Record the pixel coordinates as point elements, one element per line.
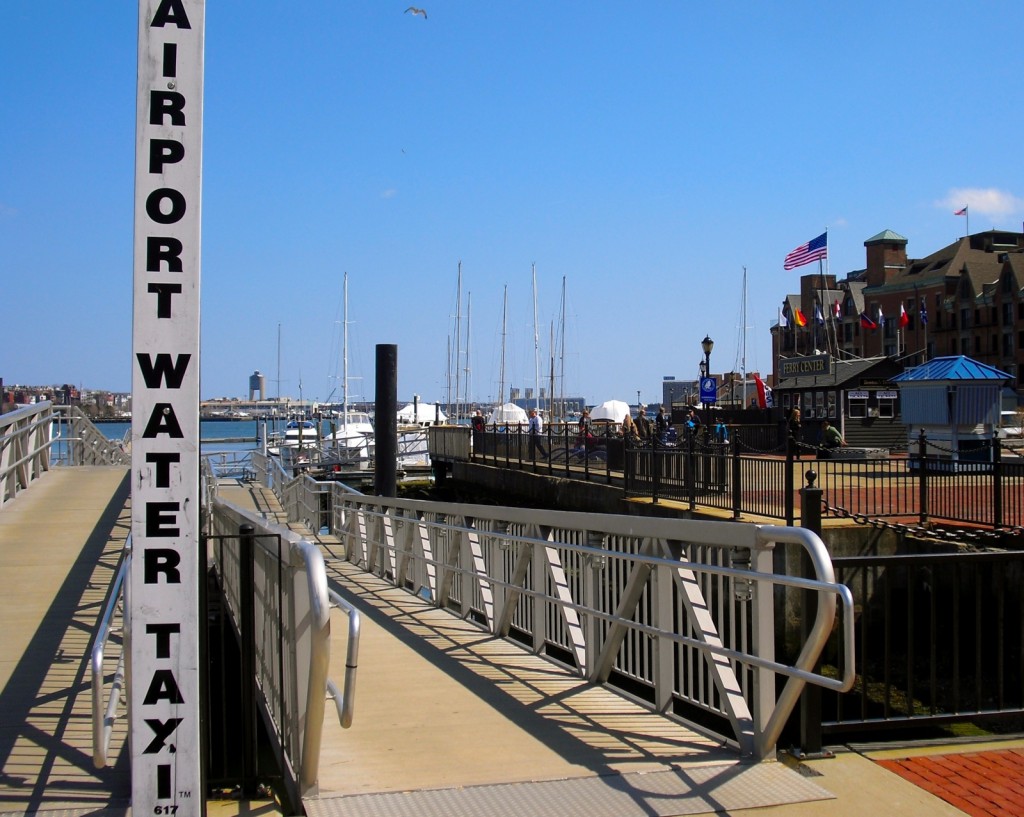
<point>257,384</point>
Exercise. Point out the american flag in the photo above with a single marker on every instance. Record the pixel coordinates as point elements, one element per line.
<point>813,250</point>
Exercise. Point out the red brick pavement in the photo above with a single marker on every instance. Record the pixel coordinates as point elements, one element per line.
<point>982,784</point>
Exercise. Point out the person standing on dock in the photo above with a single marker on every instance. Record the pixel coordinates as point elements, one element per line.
<point>643,425</point>
<point>536,428</point>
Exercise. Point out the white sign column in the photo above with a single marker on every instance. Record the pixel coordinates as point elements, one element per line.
<point>167,776</point>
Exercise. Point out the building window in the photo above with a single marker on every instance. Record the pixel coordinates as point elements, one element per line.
<point>886,403</point>
<point>857,404</point>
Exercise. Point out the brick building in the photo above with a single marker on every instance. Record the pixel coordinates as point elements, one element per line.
<point>964,299</point>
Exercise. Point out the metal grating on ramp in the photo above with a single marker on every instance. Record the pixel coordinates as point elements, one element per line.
<point>695,790</point>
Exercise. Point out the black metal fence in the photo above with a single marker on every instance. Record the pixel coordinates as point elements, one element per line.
<point>940,639</point>
<point>750,474</point>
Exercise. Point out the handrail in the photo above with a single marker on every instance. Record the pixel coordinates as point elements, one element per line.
<point>344,700</point>
<point>820,630</point>
<point>103,717</point>
<point>451,558</point>
<point>227,515</point>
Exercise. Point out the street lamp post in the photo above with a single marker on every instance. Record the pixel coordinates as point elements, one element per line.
<point>705,368</point>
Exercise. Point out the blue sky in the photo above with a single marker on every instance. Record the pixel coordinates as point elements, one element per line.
<point>644,152</point>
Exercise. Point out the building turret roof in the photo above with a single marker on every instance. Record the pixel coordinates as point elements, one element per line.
<point>953,367</point>
<point>885,235</point>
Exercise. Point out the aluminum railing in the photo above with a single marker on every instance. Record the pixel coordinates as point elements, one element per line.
<point>680,613</point>
<point>25,437</point>
<point>292,662</point>
<point>104,710</point>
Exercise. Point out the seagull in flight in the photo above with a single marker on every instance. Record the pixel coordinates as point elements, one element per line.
<point>416,11</point>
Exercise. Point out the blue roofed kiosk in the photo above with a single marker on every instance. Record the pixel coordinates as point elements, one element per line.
<point>955,401</point>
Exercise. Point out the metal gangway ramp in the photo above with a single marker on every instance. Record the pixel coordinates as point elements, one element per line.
<point>451,721</point>
<point>454,718</point>
<point>60,546</point>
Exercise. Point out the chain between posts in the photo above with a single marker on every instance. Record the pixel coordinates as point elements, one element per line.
<point>919,531</point>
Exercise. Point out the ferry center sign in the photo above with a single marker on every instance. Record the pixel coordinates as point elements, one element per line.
<point>810,366</point>
<point>163,640</point>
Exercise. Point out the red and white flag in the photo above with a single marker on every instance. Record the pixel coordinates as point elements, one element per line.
<point>961,212</point>
<point>904,317</point>
<point>764,393</point>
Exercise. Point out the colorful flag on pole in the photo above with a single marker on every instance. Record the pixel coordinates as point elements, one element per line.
<point>881,317</point>
<point>904,317</point>
<point>764,393</point>
<point>783,320</point>
<point>818,316</point>
<point>924,313</point>
<point>837,309</point>
<point>961,212</point>
<point>813,250</point>
<point>800,319</point>
<point>866,322</point>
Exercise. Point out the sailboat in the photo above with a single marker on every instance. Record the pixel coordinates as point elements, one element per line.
<point>351,442</point>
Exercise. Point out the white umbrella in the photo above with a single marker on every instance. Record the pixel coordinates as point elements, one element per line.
<point>507,413</point>
<point>613,411</point>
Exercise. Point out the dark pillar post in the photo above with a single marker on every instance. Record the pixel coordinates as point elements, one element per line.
<point>789,481</point>
<point>810,699</point>
<point>385,424</point>
<point>737,478</point>
<point>247,636</point>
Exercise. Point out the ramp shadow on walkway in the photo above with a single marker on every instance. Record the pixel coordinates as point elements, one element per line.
<point>60,545</point>
<point>450,720</point>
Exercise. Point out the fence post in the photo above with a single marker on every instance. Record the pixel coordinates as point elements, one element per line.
<point>922,478</point>
<point>997,483</point>
<point>565,444</point>
<point>737,488</point>
<point>810,699</point>
<point>790,487</point>
<point>691,468</point>
<point>655,469</point>
<point>247,637</point>
<point>607,453</point>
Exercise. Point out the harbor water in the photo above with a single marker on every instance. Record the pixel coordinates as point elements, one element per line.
<point>214,435</point>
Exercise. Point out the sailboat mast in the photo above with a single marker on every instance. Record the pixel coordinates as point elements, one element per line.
<point>278,381</point>
<point>458,340</point>
<point>344,352</point>
<point>469,323</point>
<point>561,359</point>
<point>551,375</point>
<point>743,358</point>
<point>536,344</point>
<point>501,368</point>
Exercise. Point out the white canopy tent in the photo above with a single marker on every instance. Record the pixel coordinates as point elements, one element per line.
<point>420,414</point>
<point>612,411</point>
<point>507,413</point>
